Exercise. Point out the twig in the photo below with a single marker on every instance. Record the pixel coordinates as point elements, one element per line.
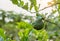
<point>52,23</point>
<point>44,8</point>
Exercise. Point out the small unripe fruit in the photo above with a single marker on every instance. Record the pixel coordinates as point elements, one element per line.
<point>38,25</point>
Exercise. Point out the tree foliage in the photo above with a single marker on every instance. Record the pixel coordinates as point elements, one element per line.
<point>44,28</point>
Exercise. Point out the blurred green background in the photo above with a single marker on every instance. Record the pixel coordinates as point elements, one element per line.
<point>41,27</point>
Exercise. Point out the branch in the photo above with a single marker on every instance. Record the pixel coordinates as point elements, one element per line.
<point>51,22</point>
<point>44,8</point>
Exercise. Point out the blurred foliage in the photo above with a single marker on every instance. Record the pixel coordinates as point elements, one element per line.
<point>43,28</point>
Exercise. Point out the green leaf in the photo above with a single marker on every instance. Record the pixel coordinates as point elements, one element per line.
<point>33,2</point>
<point>54,11</point>
<point>43,36</point>
<point>25,6</point>
<point>24,25</point>
<point>58,7</point>
<point>21,3</point>
<point>24,38</point>
<point>36,8</point>
<point>15,1</point>
<point>2,33</point>
<point>26,32</point>
<point>20,34</point>
<point>31,6</point>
